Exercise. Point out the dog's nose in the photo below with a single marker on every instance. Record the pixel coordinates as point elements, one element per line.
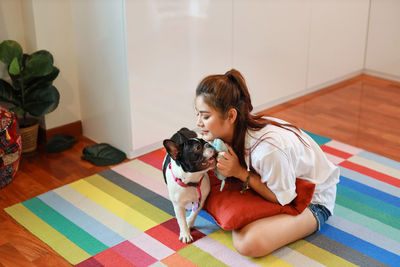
<point>209,146</point>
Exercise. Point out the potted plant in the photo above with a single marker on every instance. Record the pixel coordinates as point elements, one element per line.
<point>30,89</point>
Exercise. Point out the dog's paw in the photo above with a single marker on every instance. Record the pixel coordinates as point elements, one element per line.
<point>185,237</point>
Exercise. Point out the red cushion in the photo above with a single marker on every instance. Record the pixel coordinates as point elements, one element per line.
<point>232,210</point>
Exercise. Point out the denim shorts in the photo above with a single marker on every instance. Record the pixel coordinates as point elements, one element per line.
<point>321,213</point>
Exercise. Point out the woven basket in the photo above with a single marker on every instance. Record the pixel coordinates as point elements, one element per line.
<point>29,137</point>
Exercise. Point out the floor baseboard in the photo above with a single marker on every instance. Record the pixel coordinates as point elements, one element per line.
<point>73,129</point>
<point>381,75</point>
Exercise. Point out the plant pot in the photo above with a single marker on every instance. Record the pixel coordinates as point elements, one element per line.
<point>29,137</point>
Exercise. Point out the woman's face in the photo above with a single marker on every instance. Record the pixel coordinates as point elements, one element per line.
<point>212,123</point>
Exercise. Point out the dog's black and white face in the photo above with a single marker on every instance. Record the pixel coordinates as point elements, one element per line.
<point>192,154</point>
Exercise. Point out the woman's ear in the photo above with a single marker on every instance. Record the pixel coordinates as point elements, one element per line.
<point>232,115</point>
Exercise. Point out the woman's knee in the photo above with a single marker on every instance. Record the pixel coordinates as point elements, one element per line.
<point>265,235</point>
<point>240,243</point>
<point>246,244</point>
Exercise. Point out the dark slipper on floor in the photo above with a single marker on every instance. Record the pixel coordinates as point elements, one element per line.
<point>103,154</point>
<point>60,143</point>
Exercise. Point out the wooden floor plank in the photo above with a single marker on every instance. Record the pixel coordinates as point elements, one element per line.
<point>10,256</point>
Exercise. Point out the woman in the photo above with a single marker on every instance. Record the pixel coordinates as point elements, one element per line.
<point>268,155</point>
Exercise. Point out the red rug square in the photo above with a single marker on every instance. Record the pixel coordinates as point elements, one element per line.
<point>134,254</point>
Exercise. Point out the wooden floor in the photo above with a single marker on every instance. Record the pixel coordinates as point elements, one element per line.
<point>363,112</point>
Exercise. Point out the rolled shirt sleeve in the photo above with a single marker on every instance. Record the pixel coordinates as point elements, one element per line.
<point>278,174</point>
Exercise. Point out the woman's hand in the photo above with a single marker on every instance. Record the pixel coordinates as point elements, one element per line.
<point>229,165</point>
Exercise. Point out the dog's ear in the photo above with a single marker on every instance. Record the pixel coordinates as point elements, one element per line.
<point>187,133</point>
<point>178,138</point>
<point>172,148</point>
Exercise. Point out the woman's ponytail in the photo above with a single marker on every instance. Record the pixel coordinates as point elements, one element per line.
<point>238,80</point>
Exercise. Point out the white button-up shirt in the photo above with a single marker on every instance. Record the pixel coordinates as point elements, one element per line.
<point>281,158</point>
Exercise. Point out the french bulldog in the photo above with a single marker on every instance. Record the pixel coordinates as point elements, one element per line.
<point>185,169</point>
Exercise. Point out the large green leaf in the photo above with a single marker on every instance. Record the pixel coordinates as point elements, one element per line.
<point>17,80</point>
<point>44,53</point>
<point>14,68</point>
<point>36,83</point>
<point>9,50</point>
<point>8,94</point>
<point>40,102</point>
<point>30,89</point>
<point>37,65</point>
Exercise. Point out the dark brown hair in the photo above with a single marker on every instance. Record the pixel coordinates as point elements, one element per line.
<point>225,91</point>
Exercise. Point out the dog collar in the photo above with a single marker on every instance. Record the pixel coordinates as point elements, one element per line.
<point>179,181</point>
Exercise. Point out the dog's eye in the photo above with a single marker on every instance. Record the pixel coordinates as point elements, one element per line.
<point>198,147</point>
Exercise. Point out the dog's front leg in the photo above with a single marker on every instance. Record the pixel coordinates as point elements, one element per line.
<point>192,217</point>
<point>184,235</point>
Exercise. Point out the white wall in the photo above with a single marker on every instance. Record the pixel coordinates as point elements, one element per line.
<point>54,32</point>
<point>383,47</point>
<point>171,45</point>
<point>338,32</point>
<point>283,48</point>
<point>270,47</point>
<point>28,19</point>
<point>46,24</point>
<point>102,69</point>
<point>11,25</point>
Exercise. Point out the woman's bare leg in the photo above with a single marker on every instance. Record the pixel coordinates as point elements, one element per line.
<point>265,235</point>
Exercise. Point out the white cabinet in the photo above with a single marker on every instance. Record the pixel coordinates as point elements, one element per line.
<point>103,81</point>
<point>171,46</point>
<point>383,46</point>
<point>338,30</point>
<point>270,45</point>
<point>283,48</point>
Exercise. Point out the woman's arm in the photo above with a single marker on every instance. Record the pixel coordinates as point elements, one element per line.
<point>255,183</point>
<point>229,167</point>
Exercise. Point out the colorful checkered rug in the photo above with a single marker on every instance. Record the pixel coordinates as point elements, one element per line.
<point>122,217</point>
